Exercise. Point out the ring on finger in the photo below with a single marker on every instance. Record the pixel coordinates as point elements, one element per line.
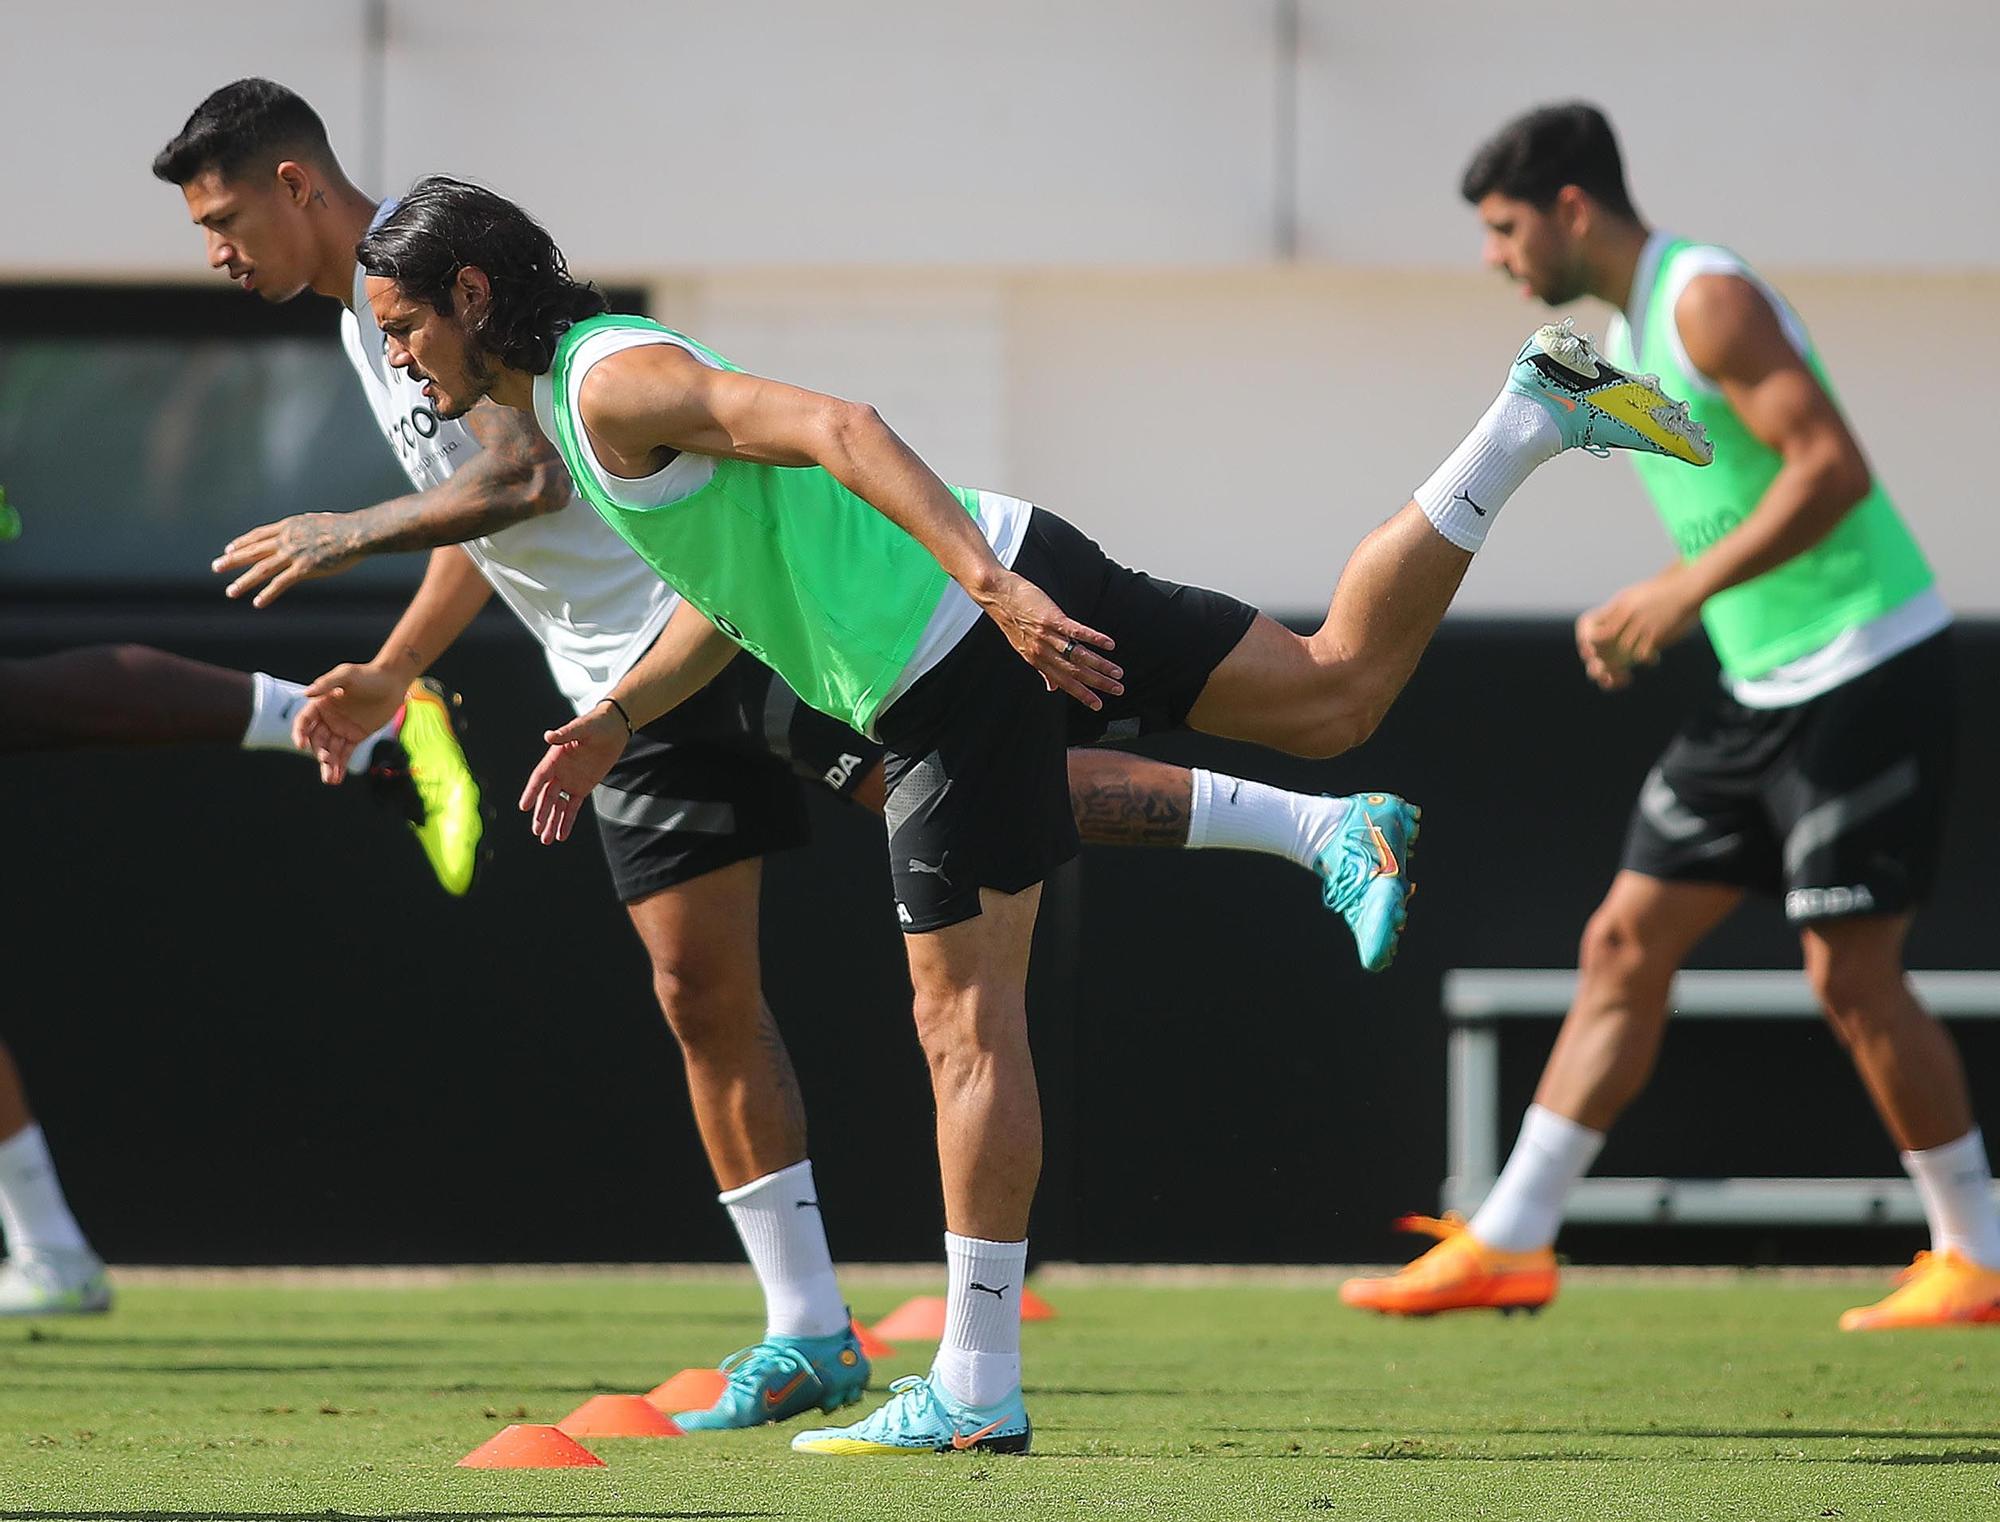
<point>1067,650</point>
<point>564,796</point>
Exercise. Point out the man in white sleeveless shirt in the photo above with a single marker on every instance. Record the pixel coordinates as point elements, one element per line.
<point>699,797</point>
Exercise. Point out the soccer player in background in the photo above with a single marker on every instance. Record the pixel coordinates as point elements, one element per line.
<point>1815,773</point>
<point>135,696</point>
<point>699,797</point>
<point>808,533</point>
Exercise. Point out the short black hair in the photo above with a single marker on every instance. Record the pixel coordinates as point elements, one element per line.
<point>1534,156</point>
<point>238,126</point>
<point>444,225</point>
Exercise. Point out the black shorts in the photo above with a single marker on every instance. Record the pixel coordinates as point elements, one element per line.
<point>1837,804</point>
<point>977,764</point>
<point>721,779</point>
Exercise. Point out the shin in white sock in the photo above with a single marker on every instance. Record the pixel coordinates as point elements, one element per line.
<point>784,1236</point>
<point>1956,1183</point>
<point>34,1216</point>
<point>1465,494</point>
<point>1525,1209</point>
<point>1234,814</point>
<point>979,1360</point>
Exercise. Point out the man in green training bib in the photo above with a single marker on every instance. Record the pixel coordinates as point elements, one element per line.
<point>1816,772</point>
<point>976,636</point>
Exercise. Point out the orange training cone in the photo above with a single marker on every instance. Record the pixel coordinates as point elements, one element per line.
<point>689,1390</point>
<point>619,1416</point>
<point>1034,1307</point>
<point>526,1445</point>
<point>872,1347</point>
<point>918,1320</point>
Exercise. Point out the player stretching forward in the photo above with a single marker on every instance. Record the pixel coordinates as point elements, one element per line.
<point>697,798</point>
<point>807,532</point>
<point>1817,771</point>
<point>131,695</point>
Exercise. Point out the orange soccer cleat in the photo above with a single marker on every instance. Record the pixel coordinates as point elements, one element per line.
<point>1461,1273</point>
<point>1937,1289</point>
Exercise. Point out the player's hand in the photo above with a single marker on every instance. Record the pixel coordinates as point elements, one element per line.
<point>1065,652</point>
<point>343,708</point>
<point>581,754</point>
<point>274,556</point>
<point>1635,626</point>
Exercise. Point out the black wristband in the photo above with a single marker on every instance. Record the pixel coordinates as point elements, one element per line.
<point>621,712</point>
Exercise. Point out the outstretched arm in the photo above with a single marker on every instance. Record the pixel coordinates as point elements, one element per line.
<point>689,654</point>
<point>516,475</point>
<point>656,398</point>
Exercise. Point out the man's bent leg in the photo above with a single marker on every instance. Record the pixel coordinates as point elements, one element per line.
<point>1322,694</point>
<point>1631,949</point>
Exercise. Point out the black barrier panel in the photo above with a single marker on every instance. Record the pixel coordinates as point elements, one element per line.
<point>257,1033</point>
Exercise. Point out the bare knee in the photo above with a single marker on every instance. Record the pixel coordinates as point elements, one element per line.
<point>966,1031</point>
<point>706,1004</point>
<point>1612,955</point>
<point>1859,993</point>
<point>1335,725</point>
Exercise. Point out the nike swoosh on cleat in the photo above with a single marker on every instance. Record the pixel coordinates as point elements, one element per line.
<point>964,1440</point>
<point>1558,397</point>
<point>1386,863</point>
<point>776,1398</point>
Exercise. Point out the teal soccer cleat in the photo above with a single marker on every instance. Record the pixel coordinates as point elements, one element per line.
<point>1364,873</point>
<point>921,1418</point>
<point>1599,407</point>
<point>780,1377</point>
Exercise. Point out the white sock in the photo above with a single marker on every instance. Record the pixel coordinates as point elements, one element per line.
<point>274,701</point>
<point>33,1213</point>
<point>1957,1188</point>
<point>778,1218</point>
<point>1525,1208</point>
<point>979,1360</point>
<point>1465,494</point>
<point>1233,814</point>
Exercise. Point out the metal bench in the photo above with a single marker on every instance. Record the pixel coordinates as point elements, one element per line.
<point>1478,1000</point>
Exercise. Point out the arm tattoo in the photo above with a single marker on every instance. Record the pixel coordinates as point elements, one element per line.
<point>516,475</point>
<point>1124,812</point>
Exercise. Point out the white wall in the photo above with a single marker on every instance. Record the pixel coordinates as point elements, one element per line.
<point>1246,429</point>
<point>1046,238</point>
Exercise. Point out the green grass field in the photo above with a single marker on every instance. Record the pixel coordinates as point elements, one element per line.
<point>1733,1397</point>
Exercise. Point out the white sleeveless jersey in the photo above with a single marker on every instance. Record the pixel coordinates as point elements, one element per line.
<point>593,604</point>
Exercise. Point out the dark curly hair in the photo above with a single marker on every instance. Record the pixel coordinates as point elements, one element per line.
<point>443,226</point>
<point>1535,155</point>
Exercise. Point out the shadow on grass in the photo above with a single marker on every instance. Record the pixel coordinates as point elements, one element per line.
<point>322,1515</point>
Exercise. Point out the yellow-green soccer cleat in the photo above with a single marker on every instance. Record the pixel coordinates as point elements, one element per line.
<point>1599,407</point>
<point>427,776</point>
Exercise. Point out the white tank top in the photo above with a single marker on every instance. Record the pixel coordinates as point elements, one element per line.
<point>594,605</point>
